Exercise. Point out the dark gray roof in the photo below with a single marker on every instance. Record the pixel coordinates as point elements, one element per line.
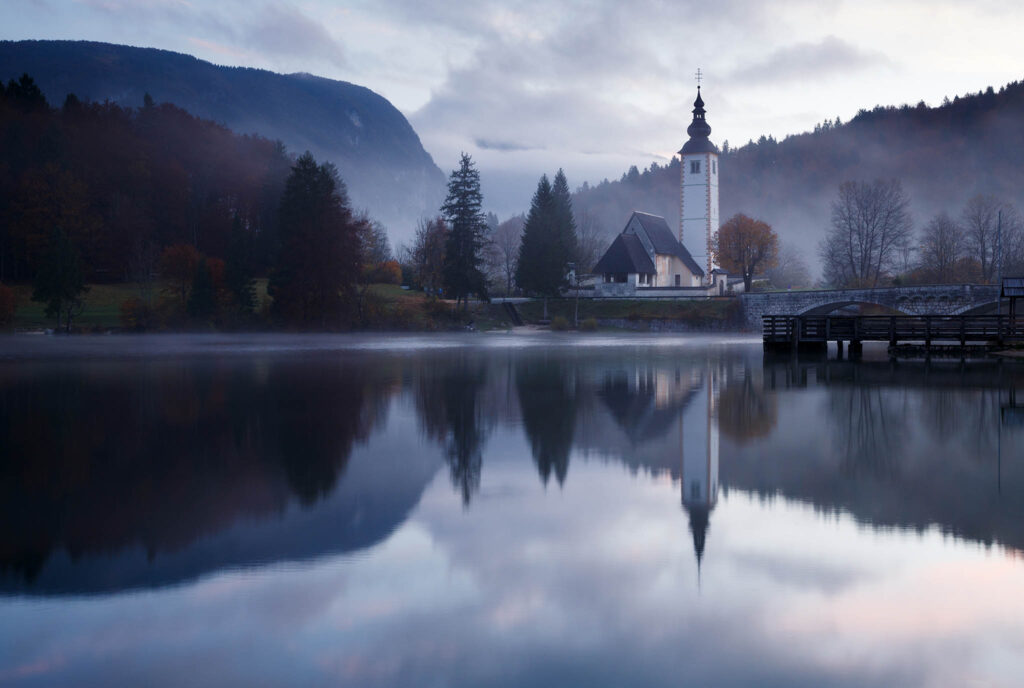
<point>665,242</point>
<point>1013,286</point>
<point>626,254</point>
<point>700,145</point>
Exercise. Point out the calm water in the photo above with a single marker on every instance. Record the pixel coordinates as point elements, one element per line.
<point>504,511</point>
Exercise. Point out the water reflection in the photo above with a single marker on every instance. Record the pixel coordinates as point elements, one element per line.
<point>547,392</point>
<point>103,458</point>
<point>449,399</point>
<point>154,471</point>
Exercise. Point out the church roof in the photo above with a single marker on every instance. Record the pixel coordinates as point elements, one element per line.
<point>665,242</point>
<point>699,131</point>
<point>625,255</point>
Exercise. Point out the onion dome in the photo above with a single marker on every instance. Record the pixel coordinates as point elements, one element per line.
<point>699,131</point>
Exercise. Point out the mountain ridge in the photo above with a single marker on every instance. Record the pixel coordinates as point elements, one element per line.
<point>376,149</point>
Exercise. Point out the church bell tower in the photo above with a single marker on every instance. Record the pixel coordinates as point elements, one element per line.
<point>698,193</point>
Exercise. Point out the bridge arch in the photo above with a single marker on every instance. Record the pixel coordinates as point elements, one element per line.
<point>988,308</point>
<point>827,308</point>
<point>916,300</point>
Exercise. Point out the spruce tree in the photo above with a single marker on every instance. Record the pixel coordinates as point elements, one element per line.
<point>534,273</point>
<point>565,221</point>
<point>467,228</point>
<point>549,239</point>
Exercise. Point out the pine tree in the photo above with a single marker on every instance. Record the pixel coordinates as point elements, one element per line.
<point>467,226</point>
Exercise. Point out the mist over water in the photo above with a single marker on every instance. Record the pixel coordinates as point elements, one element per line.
<point>504,510</point>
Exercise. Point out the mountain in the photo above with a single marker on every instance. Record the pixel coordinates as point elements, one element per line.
<point>376,150</point>
<point>942,155</point>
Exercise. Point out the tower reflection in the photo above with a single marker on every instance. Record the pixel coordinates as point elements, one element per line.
<point>698,449</point>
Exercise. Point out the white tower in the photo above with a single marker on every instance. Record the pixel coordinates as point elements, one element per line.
<point>698,196</point>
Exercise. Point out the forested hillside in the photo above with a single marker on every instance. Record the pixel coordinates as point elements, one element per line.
<point>942,155</point>
<point>123,183</point>
<point>374,147</point>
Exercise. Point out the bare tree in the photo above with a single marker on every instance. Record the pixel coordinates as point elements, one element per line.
<point>590,243</point>
<point>869,228</point>
<point>980,219</point>
<point>791,269</point>
<point>428,254</point>
<point>942,248</point>
<point>373,236</point>
<point>505,243</point>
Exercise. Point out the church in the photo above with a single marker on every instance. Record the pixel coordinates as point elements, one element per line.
<point>646,255</point>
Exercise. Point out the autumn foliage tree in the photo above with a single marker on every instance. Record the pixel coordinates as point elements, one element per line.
<point>178,268</point>
<point>744,245</point>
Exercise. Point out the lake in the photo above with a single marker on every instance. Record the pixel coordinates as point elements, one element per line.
<point>505,510</point>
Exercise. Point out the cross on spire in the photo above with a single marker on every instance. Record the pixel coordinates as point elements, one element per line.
<point>699,76</point>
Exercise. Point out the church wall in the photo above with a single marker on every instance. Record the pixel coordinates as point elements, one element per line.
<point>714,222</point>
<point>669,267</point>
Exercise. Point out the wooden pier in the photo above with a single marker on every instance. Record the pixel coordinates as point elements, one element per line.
<point>797,332</point>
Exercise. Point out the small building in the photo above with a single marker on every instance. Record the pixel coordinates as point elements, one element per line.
<point>1012,289</point>
<point>646,255</point>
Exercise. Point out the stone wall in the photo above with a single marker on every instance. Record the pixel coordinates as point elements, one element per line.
<point>924,300</point>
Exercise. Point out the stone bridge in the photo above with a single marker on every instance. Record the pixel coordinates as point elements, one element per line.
<point>952,299</point>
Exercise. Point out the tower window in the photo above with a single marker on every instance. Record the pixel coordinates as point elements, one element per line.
<point>695,167</point>
<point>714,167</point>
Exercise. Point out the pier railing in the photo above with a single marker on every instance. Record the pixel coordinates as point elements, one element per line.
<point>795,330</point>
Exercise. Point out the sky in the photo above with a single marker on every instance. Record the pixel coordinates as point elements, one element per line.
<point>528,86</point>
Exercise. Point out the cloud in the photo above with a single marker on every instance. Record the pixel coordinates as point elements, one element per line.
<point>248,32</point>
<point>286,31</point>
<point>806,60</point>
<point>503,146</point>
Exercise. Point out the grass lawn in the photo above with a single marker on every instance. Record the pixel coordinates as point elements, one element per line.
<point>703,310</point>
<point>102,307</point>
<point>392,308</point>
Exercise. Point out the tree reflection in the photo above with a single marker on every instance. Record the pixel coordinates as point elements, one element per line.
<point>746,410</point>
<point>547,396</point>
<point>98,457</point>
<point>870,425</point>
<point>449,405</point>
